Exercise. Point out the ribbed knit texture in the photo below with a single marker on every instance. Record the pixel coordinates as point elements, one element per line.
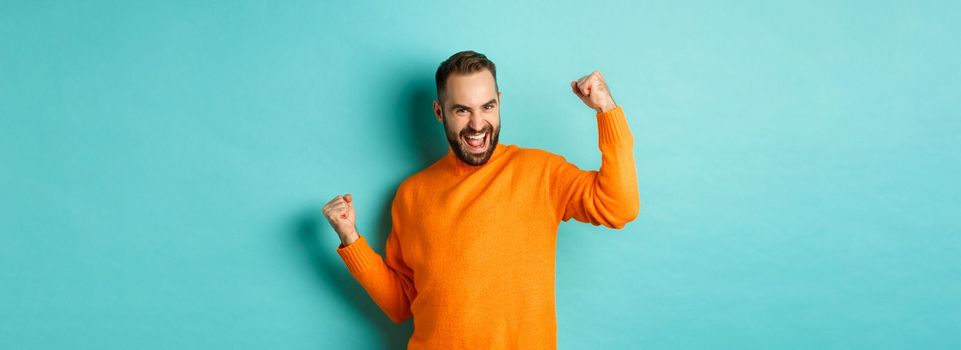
<point>471,251</point>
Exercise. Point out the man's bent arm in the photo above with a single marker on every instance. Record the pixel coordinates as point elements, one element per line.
<point>388,281</point>
<point>606,197</point>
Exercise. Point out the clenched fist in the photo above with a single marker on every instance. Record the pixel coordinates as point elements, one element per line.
<point>594,92</point>
<point>340,213</point>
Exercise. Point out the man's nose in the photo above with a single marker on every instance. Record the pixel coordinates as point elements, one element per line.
<point>477,123</point>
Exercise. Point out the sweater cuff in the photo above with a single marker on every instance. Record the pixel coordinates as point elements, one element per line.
<point>357,255</point>
<point>612,127</point>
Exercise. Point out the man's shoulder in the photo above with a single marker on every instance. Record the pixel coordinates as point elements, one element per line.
<point>424,177</point>
<point>535,154</point>
<point>519,155</point>
<point>410,182</point>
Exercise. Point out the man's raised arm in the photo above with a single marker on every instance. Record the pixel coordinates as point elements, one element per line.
<point>388,281</point>
<point>609,196</point>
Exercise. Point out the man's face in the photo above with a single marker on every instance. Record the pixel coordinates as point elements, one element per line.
<point>471,115</point>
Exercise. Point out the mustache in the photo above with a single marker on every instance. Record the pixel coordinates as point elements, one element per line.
<point>489,129</point>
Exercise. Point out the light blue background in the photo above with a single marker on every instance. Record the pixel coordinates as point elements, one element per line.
<point>164,165</point>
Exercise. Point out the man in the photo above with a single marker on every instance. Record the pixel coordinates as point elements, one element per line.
<point>471,250</point>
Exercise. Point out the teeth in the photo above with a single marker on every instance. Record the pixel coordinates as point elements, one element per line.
<point>477,137</point>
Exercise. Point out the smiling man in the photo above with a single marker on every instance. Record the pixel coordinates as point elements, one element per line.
<point>473,102</point>
<point>471,251</point>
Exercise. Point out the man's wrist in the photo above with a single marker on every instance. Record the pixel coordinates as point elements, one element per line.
<point>347,239</point>
<point>607,108</point>
<point>606,105</point>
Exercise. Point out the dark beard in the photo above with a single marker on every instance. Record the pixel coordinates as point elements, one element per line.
<point>460,150</point>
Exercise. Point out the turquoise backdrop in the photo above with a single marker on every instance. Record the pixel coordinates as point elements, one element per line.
<point>164,164</point>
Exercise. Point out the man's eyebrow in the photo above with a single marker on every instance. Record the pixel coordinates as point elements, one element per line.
<point>457,105</point>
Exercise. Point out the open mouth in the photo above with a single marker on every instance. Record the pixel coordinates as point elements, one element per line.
<point>476,143</point>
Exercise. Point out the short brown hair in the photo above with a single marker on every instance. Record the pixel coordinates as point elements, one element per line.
<point>463,62</point>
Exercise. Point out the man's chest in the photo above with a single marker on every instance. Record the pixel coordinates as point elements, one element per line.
<point>467,227</point>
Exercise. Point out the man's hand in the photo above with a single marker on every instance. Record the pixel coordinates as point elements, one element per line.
<point>340,213</point>
<point>594,92</point>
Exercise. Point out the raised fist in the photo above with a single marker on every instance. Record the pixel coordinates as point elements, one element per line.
<point>592,89</point>
<point>340,213</point>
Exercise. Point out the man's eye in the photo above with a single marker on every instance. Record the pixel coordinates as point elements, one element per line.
<point>489,107</point>
<point>461,110</point>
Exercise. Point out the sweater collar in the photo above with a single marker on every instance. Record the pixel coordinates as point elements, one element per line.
<point>459,167</point>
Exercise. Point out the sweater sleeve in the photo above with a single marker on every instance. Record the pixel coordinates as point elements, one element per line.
<point>606,197</point>
<point>388,281</point>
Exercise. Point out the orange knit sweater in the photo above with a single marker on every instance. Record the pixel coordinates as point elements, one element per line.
<point>470,254</point>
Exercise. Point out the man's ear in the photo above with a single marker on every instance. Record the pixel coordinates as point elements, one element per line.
<point>437,112</point>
